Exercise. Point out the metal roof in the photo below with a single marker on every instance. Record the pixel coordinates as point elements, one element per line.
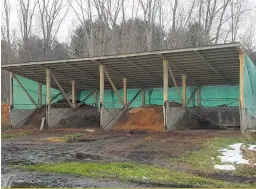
<point>207,65</point>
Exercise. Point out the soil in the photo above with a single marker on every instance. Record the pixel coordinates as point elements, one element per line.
<point>147,118</point>
<point>96,145</point>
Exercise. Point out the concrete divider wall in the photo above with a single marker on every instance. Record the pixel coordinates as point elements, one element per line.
<point>176,117</point>
<point>110,116</point>
<point>220,116</point>
<point>69,117</point>
<point>18,117</point>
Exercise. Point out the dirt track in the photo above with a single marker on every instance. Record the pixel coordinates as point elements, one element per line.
<point>106,146</point>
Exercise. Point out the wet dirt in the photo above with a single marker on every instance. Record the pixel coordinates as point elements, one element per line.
<point>98,146</point>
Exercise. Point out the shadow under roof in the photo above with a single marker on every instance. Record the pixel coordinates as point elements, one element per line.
<point>207,65</point>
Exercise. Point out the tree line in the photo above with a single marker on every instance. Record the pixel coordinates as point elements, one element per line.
<point>121,26</point>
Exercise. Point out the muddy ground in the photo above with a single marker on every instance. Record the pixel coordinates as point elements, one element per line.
<point>96,146</point>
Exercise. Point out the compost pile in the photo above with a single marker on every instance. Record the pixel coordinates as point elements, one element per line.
<point>148,118</point>
<point>84,116</point>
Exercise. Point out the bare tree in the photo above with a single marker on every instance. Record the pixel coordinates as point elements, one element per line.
<point>49,12</point>
<point>26,9</point>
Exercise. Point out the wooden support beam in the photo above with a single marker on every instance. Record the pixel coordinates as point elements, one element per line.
<point>83,100</point>
<point>135,96</point>
<point>25,90</point>
<point>113,86</point>
<point>243,122</point>
<point>57,95</point>
<point>165,80</point>
<point>96,98</point>
<point>125,90</point>
<point>192,95</point>
<point>210,65</point>
<point>143,92</point>
<point>40,94</point>
<point>60,87</point>
<point>11,90</point>
<point>184,89</point>
<point>174,81</point>
<point>181,71</point>
<point>101,67</point>
<point>73,83</point>
<point>241,81</point>
<point>199,96</point>
<point>48,96</point>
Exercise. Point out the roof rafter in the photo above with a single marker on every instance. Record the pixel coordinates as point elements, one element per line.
<point>150,74</point>
<point>210,65</point>
<point>181,71</point>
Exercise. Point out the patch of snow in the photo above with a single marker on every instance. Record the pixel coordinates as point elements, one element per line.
<point>252,147</point>
<point>233,156</point>
<point>225,167</point>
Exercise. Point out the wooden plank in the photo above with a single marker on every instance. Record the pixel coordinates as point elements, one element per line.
<point>113,86</point>
<point>125,90</point>
<point>184,90</point>
<point>73,83</point>
<point>199,96</point>
<point>143,92</point>
<point>165,79</point>
<point>25,90</point>
<point>11,90</point>
<point>61,89</point>
<point>40,94</point>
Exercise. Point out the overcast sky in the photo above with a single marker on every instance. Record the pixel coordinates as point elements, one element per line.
<point>70,22</point>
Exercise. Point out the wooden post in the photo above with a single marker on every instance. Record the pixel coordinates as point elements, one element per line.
<point>101,68</point>
<point>243,124</point>
<point>165,90</point>
<point>40,94</point>
<point>184,90</point>
<point>241,81</point>
<point>143,97</point>
<point>48,96</point>
<point>199,96</point>
<point>125,90</point>
<point>11,90</point>
<point>101,83</point>
<point>165,78</point>
<point>73,93</point>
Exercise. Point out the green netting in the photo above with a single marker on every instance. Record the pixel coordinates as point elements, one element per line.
<point>21,100</point>
<point>211,96</point>
<point>250,86</point>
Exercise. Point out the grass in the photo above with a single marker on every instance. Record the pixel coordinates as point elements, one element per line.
<point>202,158</point>
<point>131,172</point>
<point>66,138</point>
<point>13,135</point>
